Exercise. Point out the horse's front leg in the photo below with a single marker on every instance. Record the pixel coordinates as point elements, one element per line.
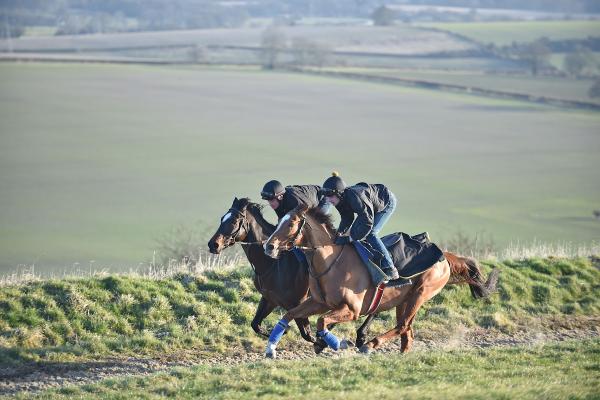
<point>303,310</point>
<point>265,307</point>
<point>304,328</point>
<point>361,333</point>
<point>341,314</point>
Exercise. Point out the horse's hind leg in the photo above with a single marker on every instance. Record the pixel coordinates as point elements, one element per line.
<point>405,313</point>
<point>406,340</point>
<point>304,328</point>
<point>264,308</point>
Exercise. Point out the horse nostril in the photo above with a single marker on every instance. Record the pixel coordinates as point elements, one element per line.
<point>270,247</point>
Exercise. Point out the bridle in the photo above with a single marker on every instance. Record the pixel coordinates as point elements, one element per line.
<point>243,224</point>
<point>291,243</point>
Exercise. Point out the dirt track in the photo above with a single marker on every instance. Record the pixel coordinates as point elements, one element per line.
<point>40,376</point>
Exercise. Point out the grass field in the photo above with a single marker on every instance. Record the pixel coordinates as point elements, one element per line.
<point>206,314</point>
<point>198,317</point>
<point>98,161</point>
<point>548,86</point>
<point>504,33</point>
<point>529,372</point>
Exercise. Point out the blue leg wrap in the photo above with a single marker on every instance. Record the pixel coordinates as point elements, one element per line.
<point>329,338</point>
<point>278,331</point>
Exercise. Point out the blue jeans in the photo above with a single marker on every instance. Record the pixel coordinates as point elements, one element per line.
<point>379,221</point>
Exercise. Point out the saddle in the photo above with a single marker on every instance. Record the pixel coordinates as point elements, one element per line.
<point>412,255</point>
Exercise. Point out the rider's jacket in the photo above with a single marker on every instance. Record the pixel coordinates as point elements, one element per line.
<point>364,200</point>
<point>296,195</point>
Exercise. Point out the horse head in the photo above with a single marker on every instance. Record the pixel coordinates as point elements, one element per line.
<point>289,232</point>
<point>233,228</point>
<point>302,226</point>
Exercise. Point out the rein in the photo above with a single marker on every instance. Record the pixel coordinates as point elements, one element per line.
<point>317,276</point>
<point>311,270</point>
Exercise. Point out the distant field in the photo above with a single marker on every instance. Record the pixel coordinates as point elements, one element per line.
<point>404,39</point>
<point>40,31</point>
<point>558,87</point>
<point>97,161</point>
<point>504,33</point>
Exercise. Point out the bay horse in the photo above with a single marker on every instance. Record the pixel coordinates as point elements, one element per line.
<point>281,282</point>
<point>341,287</point>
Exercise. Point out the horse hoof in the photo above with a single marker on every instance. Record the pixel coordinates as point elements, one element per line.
<point>346,344</point>
<point>364,349</point>
<point>360,343</point>
<point>271,354</point>
<point>318,348</point>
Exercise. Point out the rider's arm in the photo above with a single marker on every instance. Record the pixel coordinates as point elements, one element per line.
<point>363,224</point>
<point>347,217</point>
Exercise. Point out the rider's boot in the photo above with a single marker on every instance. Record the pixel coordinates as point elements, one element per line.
<point>390,271</point>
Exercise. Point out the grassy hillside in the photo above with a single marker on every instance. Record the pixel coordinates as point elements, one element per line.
<point>530,372</point>
<point>504,33</point>
<point>98,161</point>
<point>208,314</point>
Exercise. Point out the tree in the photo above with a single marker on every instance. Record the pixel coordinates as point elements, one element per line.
<point>383,16</point>
<point>273,43</point>
<point>594,91</point>
<point>308,52</point>
<point>12,30</point>
<point>578,61</point>
<point>536,54</point>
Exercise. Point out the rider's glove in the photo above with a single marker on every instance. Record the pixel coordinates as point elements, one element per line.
<point>341,240</point>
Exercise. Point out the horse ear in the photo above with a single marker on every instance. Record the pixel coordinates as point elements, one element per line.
<point>235,201</point>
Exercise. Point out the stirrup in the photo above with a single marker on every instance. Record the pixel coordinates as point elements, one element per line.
<point>389,272</point>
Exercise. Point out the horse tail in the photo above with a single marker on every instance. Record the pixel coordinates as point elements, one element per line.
<point>467,270</point>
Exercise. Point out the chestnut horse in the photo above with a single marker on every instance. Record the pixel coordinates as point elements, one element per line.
<point>341,287</point>
<point>281,282</point>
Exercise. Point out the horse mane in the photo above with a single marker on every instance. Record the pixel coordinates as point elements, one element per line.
<point>318,215</point>
<point>256,210</point>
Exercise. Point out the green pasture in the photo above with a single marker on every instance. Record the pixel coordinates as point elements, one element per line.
<point>203,315</point>
<point>98,161</point>
<point>504,33</point>
<point>547,86</point>
<point>474,64</point>
<point>525,372</point>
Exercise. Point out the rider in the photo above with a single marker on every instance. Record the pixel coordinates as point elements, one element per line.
<point>285,199</point>
<point>373,205</point>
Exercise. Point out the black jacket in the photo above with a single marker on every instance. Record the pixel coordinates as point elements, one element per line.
<point>365,201</point>
<point>296,195</point>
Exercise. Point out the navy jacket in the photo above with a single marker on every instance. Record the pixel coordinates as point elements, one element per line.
<point>296,195</point>
<point>365,201</point>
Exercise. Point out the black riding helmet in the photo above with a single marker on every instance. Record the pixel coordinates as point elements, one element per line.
<point>333,185</point>
<point>271,190</point>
